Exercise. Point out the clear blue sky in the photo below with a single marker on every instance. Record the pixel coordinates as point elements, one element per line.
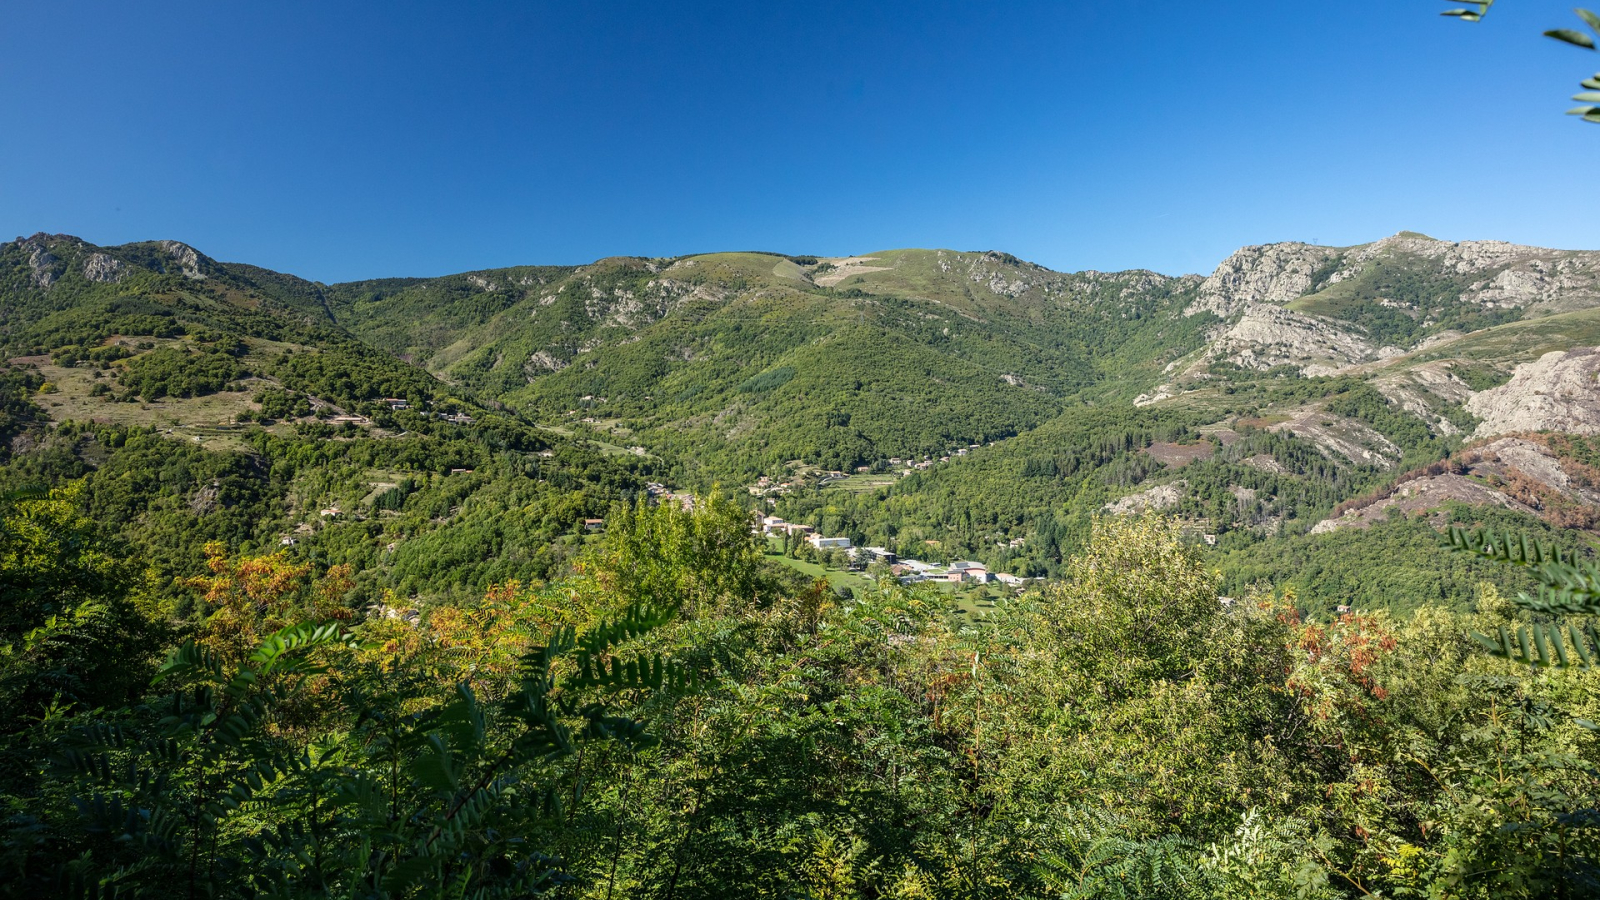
<point>343,140</point>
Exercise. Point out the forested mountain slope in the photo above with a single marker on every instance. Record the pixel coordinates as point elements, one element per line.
<point>431,627</point>
<point>1324,377</point>
<point>999,406</point>
<point>195,402</point>
<point>753,360</point>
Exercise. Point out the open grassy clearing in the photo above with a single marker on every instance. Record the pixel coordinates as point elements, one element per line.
<point>209,420</point>
<point>975,606</point>
<point>863,484</point>
<point>71,399</point>
<point>836,578</point>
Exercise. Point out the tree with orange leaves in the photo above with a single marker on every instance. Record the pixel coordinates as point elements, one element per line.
<point>249,597</point>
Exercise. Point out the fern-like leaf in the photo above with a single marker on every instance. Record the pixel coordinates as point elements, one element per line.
<point>1567,586</point>
<point>1546,645</point>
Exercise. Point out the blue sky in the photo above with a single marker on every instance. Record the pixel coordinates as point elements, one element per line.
<point>343,140</point>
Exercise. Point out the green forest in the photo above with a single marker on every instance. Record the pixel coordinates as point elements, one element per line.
<point>674,718</point>
<point>452,588</point>
<point>979,483</point>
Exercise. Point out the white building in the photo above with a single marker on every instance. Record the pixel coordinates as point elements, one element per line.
<point>829,543</point>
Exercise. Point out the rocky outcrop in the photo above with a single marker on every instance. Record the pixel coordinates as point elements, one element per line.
<point>541,362</point>
<point>1338,436</point>
<point>1543,285</point>
<point>1162,496</point>
<point>104,269</point>
<point>1266,462</point>
<point>1422,495</point>
<point>1517,473</point>
<point>42,264</point>
<point>1419,389</point>
<point>1266,336</point>
<point>1272,273</point>
<point>1513,275</point>
<point>1557,392</point>
<point>187,258</point>
<point>1251,289</point>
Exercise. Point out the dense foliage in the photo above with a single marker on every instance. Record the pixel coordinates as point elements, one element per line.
<point>677,722</point>
<point>180,372</point>
<point>352,630</point>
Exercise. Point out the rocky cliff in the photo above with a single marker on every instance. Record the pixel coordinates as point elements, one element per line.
<point>1557,392</point>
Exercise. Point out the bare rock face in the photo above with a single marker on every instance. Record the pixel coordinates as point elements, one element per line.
<point>41,263</point>
<point>541,362</point>
<point>1524,456</point>
<point>187,258</point>
<point>1544,284</point>
<point>1335,435</point>
<point>1513,276</point>
<point>1419,388</point>
<point>1274,273</point>
<point>1557,392</point>
<point>1251,289</point>
<point>205,499</point>
<point>1162,496</point>
<point>104,269</point>
<point>1267,336</point>
<point>1422,495</point>
<point>1266,463</point>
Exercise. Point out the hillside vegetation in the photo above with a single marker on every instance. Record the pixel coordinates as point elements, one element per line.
<point>452,586</point>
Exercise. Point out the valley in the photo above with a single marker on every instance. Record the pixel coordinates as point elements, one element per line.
<point>945,405</point>
<point>894,451</point>
<point>943,533</point>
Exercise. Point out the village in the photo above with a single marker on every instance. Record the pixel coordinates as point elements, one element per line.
<point>908,571</point>
<point>841,552</point>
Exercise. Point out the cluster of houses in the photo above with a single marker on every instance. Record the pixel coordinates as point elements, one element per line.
<point>660,493</point>
<point>396,404</point>
<point>775,525</point>
<point>909,571</point>
<point>912,571</point>
<point>907,466</point>
<point>399,403</point>
<point>767,486</point>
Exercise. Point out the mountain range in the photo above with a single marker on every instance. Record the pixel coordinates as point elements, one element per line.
<point>946,403</point>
